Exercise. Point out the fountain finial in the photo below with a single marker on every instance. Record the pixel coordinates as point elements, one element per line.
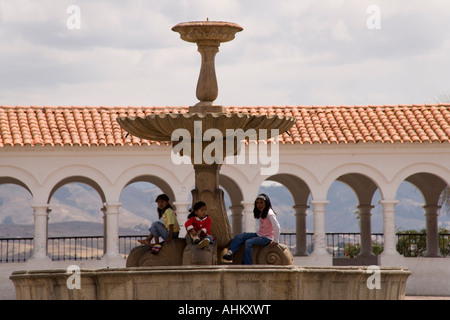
<point>208,35</point>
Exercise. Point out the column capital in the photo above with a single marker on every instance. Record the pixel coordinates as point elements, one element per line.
<point>41,208</point>
<point>365,209</point>
<point>182,203</point>
<point>39,205</point>
<point>362,206</point>
<point>111,207</point>
<point>324,202</point>
<point>431,207</point>
<point>387,202</point>
<point>300,210</point>
<point>300,206</point>
<point>111,204</point>
<point>247,203</point>
<point>431,210</point>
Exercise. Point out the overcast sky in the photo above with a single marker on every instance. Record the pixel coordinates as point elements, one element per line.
<point>291,52</point>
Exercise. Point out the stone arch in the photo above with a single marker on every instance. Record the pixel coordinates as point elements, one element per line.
<point>81,179</point>
<point>431,187</point>
<point>363,180</point>
<point>291,175</point>
<point>21,196</point>
<point>88,175</point>
<point>11,180</point>
<point>355,175</point>
<point>160,176</point>
<point>157,181</point>
<point>233,189</point>
<point>241,179</point>
<point>419,174</point>
<point>236,196</point>
<point>21,177</point>
<point>296,186</point>
<point>363,186</point>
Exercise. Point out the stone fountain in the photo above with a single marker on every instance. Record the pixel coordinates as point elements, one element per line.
<point>146,277</point>
<point>206,115</point>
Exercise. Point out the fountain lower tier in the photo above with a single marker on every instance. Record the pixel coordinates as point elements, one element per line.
<point>258,282</point>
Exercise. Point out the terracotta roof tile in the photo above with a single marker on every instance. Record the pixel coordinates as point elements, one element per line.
<point>97,126</point>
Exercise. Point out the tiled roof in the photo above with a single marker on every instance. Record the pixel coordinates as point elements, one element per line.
<point>97,126</point>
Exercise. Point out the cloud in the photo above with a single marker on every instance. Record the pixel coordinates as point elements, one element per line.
<point>290,52</point>
<point>340,32</point>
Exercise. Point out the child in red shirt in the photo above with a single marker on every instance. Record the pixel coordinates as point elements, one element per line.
<point>198,225</point>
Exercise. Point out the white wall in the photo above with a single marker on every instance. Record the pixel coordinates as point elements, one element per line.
<point>318,166</point>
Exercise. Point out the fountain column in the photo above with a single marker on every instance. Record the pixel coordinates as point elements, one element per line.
<point>207,89</point>
<point>207,190</point>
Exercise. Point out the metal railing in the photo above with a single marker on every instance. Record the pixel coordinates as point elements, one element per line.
<point>75,248</point>
<point>347,245</point>
<point>340,245</point>
<point>15,249</point>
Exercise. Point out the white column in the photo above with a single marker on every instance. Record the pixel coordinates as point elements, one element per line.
<point>249,218</point>
<point>320,241</point>
<point>389,228</point>
<point>431,218</point>
<point>182,209</point>
<point>40,231</point>
<point>236,219</point>
<point>111,242</point>
<point>300,230</point>
<point>365,230</point>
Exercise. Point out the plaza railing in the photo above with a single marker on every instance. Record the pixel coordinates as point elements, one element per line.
<point>339,245</point>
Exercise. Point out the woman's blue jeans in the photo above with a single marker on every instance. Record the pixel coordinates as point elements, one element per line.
<point>249,239</point>
<point>158,229</point>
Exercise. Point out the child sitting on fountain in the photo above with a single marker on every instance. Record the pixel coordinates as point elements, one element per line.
<point>268,233</point>
<point>198,225</point>
<point>167,227</point>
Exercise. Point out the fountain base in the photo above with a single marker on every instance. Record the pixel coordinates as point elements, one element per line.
<point>257,282</point>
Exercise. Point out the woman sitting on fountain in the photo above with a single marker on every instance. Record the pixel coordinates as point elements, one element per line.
<point>268,233</point>
<point>166,227</point>
<point>198,225</point>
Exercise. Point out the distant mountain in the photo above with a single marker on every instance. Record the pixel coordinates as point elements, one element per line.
<point>66,229</point>
<point>76,210</point>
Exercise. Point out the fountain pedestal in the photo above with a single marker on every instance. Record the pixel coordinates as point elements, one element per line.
<point>207,190</point>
